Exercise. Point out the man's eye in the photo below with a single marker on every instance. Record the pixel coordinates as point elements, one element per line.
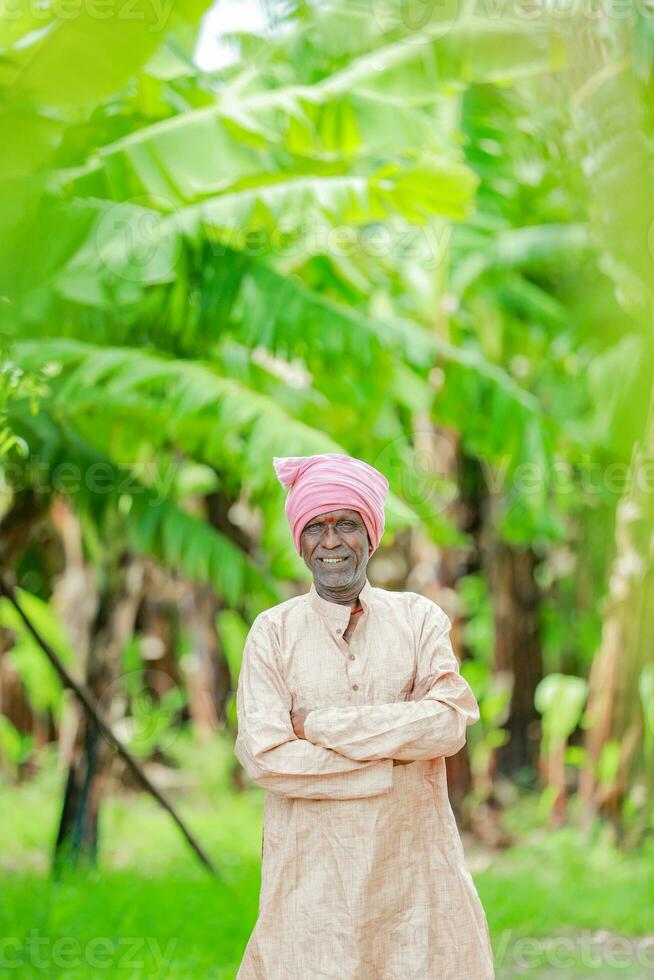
<point>342,526</point>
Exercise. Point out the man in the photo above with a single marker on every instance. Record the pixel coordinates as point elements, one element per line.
<point>349,699</point>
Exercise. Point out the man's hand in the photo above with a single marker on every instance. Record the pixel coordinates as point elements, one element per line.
<point>420,688</point>
<point>415,692</point>
<point>297,720</point>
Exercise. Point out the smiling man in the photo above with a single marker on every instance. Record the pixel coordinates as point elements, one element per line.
<point>349,699</point>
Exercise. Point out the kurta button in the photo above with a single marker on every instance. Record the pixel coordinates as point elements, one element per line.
<point>351,656</point>
<point>355,687</point>
<point>339,632</point>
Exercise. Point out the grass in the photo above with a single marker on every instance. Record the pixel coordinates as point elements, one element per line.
<point>150,910</point>
<point>559,907</point>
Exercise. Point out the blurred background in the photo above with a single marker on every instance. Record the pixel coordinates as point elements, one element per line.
<point>421,233</point>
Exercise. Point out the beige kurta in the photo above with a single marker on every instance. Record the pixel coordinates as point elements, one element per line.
<point>363,874</point>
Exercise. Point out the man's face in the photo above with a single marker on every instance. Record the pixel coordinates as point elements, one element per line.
<point>336,534</point>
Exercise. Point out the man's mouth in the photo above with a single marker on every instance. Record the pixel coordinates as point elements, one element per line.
<point>333,561</point>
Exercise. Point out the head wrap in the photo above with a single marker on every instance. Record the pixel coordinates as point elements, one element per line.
<point>332,481</point>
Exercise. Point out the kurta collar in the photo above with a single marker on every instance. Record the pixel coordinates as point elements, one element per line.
<point>336,612</point>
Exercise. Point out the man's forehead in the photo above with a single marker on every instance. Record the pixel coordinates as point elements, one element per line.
<point>337,515</point>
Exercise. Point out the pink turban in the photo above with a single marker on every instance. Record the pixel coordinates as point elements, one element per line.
<point>332,481</point>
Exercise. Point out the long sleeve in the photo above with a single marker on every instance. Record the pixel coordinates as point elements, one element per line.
<point>427,727</point>
<point>270,751</point>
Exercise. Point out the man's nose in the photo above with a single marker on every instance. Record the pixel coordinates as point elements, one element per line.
<point>331,538</point>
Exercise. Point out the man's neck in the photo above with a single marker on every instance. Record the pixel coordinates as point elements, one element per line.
<point>346,597</point>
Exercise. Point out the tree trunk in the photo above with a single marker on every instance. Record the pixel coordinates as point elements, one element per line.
<point>157,626</point>
<point>518,655</point>
<point>17,527</point>
<point>75,601</point>
<point>615,710</point>
<point>435,571</point>
<point>77,837</point>
<point>200,607</point>
<point>218,507</point>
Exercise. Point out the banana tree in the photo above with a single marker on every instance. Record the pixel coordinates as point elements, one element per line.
<point>613,127</point>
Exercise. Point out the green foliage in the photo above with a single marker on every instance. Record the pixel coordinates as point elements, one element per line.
<point>140,227</point>
<point>560,699</point>
<point>57,59</point>
<point>41,681</point>
<point>15,746</point>
<point>151,723</point>
<point>252,178</point>
<point>383,217</point>
<point>608,763</point>
<point>646,688</point>
<point>156,524</point>
<point>233,632</point>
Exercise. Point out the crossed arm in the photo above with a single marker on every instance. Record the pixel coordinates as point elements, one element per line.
<point>430,724</point>
<point>270,751</point>
<point>349,752</point>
